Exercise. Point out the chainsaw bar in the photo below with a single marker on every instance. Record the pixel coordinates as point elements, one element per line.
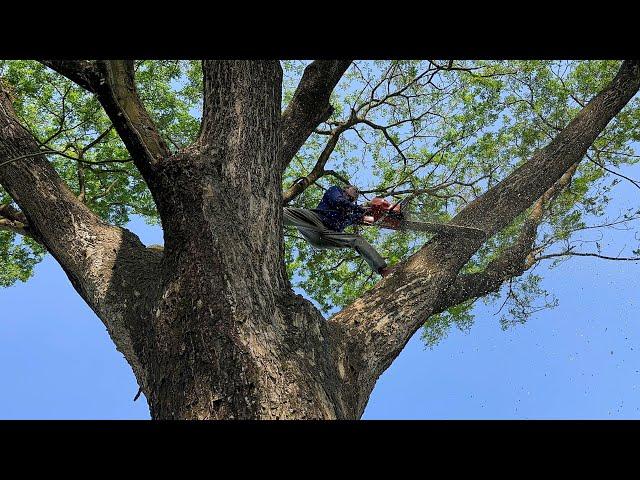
<point>442,228</point>
<point>386,215</point>
<point>429,227</point>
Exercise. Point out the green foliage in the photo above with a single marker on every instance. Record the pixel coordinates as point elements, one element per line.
<point>18,257</point>
<point>172,90</point>
<point>437,327</point>
<point>525,296</point>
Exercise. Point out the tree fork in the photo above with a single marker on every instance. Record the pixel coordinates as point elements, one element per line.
<point>380,323</point>
<point>210,325</point>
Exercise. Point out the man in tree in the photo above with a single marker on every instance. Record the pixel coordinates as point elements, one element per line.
<point>323,227</point>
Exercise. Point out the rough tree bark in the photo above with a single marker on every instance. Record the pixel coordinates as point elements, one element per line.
<point>211,326</point>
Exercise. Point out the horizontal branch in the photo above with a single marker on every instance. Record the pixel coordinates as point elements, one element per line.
<point>15,221</point>
<point>65,155</point>
<point>15,227</point>
<point>571,253</point>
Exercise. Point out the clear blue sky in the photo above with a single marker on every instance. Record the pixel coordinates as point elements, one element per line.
<point>579,360</point>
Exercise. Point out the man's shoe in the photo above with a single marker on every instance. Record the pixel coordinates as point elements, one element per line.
<point>384,271</point>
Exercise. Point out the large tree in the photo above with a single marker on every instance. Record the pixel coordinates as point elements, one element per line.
<point>525,151</point>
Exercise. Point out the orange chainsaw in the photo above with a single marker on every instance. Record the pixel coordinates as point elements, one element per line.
<point>382,213</point>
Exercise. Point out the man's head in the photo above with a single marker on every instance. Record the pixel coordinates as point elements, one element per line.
<point>352,192</point>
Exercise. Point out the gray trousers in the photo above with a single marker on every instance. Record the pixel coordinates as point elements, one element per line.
<point>313,230</point>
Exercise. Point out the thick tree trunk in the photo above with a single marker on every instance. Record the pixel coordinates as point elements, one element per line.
<point>230,339</point>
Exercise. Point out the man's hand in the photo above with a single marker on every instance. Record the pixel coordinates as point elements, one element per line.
<point>367,219</point>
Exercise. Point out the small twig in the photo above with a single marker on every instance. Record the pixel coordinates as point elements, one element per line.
<point>601,165</point>
<point>586,254</point>
<point>11,160</point>
<point>54,152</point>
<point>337,175</point>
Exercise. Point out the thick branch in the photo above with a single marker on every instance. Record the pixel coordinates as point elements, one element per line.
<point>531,180</point>
<point>113,83</point>
<point>13,226</point>
<point>107,265</point>
<point>10,213</point>
<point>82,72</point>
<point>383,320</point>
<point>309,106</point>
<point>512,262</point>
<point>222,99</point>
<point>15,221</point>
